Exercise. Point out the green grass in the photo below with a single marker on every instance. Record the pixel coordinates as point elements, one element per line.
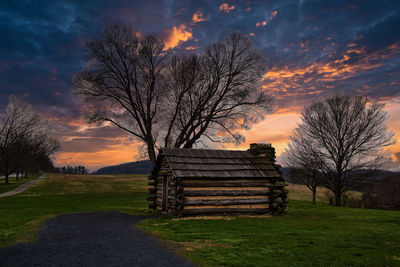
<point>59,194</point>
<point>13,183</point>
<point>309,235</point>
<point>318,235</point>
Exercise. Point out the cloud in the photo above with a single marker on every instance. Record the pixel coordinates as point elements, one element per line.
<point>324,75</point>
<point>261,23</point>
<point>177,35</point>
<point>312,49</point>
<point>273,15</point>
<point>225,7</point>
<point>198,17</point>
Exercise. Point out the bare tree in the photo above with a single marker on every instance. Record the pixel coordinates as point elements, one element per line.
<point>124,80</point>
<point>134,84</point>
<point>24,138</point>
<point>304,165</point>
<point>36,150</point>
<point>215,93</point>
<point>341,135</point>
<point>17,121</point>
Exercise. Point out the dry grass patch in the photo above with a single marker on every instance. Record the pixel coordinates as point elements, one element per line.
<point>301,192</point>
<point>62,184</point>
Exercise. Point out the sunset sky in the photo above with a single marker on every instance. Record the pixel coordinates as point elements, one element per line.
<point>313,49</point>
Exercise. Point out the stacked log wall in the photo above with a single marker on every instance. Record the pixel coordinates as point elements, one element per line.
<point>226,196</point>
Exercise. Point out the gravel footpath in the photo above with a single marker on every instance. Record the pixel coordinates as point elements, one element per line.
<point>91,239</point>
<point>22,187</point>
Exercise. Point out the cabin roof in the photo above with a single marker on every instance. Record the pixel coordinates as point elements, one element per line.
<point>207,163</point>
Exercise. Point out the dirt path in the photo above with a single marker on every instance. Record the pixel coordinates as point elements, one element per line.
<point>91,239</point>
<point>23,187</point>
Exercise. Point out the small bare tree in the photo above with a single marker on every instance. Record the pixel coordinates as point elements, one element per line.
<point>304,168</point>
<point>341,135</point>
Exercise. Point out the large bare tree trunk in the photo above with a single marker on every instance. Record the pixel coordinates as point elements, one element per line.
<point>338,199</point>
<point>151,152</point>
<point>314,195</point>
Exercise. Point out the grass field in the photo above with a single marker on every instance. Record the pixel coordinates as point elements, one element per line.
<point>13,183</point>
<point>308,235</point>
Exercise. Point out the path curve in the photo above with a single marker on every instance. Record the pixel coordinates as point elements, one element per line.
<point>23,187</point>
<point>91,239</point>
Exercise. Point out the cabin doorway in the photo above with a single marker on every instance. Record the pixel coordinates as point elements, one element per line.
<point>164,192</point>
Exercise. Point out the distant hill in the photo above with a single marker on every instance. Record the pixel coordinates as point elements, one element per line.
<point>137,167</point>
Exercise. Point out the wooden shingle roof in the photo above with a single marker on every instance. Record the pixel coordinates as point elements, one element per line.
<point>207,163</point>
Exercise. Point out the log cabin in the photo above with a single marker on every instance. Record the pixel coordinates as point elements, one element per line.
<point>193,182</point>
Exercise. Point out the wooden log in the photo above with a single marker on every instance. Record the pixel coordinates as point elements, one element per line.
<point>215,178</point>
<point>224,211</point>
<point>219,202</point>
<point>227,197</point>
<point>226,193</point>
<point>221,188</point>
<point>227,184</point>
<point>237,206</point>
<point>278,192</point>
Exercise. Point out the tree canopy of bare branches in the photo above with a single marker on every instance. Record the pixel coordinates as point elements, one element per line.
<point>338,137</point>
<point>25,142</point>
<point>173,101</point>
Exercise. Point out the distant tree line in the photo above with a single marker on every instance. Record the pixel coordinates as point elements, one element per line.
<point>71,170</point>
<point>339,144</point>
<point>25,141</point>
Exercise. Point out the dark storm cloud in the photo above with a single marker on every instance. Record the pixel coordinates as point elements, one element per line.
<point>43,42</point>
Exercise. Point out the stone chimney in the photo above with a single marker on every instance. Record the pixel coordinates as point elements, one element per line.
<point>264,150</point>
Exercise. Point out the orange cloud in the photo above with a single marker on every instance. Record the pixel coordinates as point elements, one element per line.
<point>275,129</point>
<point>198,17</point>
<point>290,81</point>
<point>225,7</point>
<point>176,35</point>
<point>262,23</point>
<point>273,15</point>
<point>191,47</point>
